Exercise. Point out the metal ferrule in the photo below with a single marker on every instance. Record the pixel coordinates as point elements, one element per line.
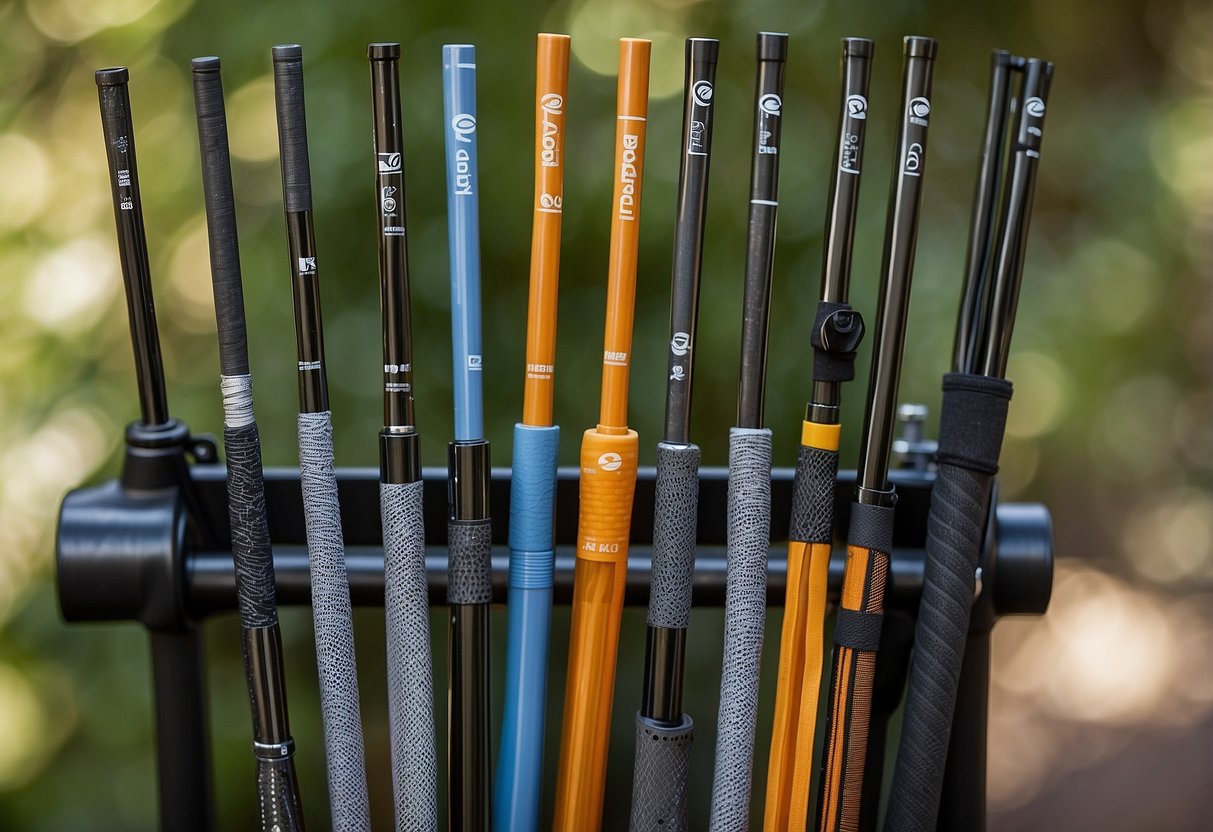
<point>468,485</point>
<point>665,653</point>
<point>309,332</point>
<point>263,663</point>
<point>399,456</point>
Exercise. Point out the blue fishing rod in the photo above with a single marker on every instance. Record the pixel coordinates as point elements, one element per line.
<point>469,532</point>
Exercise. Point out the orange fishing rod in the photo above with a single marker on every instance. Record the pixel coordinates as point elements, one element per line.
<point>608,481</point>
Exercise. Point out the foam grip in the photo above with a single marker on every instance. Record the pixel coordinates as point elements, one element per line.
<point>659,780</point>
<point>675,518</point>
<point>409,660</point>
<point>748,541</point>
<point>608,483</point>
<point>532,506</point>
<point>292,128</point>
<point>278,793</point>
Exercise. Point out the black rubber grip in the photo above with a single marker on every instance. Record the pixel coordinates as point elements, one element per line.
<point>250,530</point>
<point>469,568</point>
<point>813,496</point>
<point>660,776</point>
<point>972,421</point>
<point>871,527</point>
<point>292,128</point>
<point>220,217</point>
<point>960,501</point>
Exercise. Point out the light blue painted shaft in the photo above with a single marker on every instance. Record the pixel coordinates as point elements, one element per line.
<point>463,235</point>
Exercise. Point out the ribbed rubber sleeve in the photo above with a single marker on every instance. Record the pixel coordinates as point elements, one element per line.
<point>250,531</point>
<point>748,540</point>
<point>660,775</point>
<point>469,564</point>
<point>292,128</point>
<point>960,502</point>
<point>279,793</point>
<point>409,662</point>
<point>333,623</point>
<point>813,496</point>
<point>675,516</point>
<point>532,505</point>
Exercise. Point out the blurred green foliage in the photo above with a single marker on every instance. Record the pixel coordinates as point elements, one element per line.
<point>1112,349</point>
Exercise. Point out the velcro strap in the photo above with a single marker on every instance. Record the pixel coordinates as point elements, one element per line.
<point>972,420</point>
<point>830,365</point>
<point>858,630</point>
<point>871,527</point>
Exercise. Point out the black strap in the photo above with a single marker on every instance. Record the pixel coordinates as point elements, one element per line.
<point>858,630</point>
<point>834,356</point>
<point>972,421</point>
<point>871,527</point>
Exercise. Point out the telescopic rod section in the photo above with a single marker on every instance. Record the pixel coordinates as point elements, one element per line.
<point>336,663</point>
<point>663,731</point>
<point>869,541</point>
<point>518,784</point>
<point>608,482</point>
<point>406,603</point>
<point>469,528</point>
<point>277,790</point>
<point>749,497</point>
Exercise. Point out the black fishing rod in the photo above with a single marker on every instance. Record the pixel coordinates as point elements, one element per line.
<point>835,336</point>
<point>972,421</point>
<point>406,603</point>
<point>749,499</point>
<point>663,732</point>
<point>331,611</point>
<point>869,541</point>
<point>278,793</point>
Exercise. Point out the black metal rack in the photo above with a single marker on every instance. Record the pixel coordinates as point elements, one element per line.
<point>154,547</point>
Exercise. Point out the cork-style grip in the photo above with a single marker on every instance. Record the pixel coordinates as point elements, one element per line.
<point>608,482</point>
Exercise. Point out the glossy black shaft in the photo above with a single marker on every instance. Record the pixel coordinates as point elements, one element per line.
<point>843,202</point>
<point>760,239</point>
<point>1003,65</point>
<point>118,131</point>
<point>696,155</point>
<point>301,239</point>
<point>901,234</point>
<point>1016,217</point>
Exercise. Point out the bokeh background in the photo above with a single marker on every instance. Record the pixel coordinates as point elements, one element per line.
<point>1102,711</point>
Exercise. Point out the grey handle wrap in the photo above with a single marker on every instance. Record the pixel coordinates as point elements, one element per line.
<point>813,496</point>
<point>254,560</point>
<point>332,619</point>
<point>748,541</point>
<point>674,524</point>
<point>409,663</point>
<point>279,793</point>
<point>469,567</point>
<point>972,421</point>
<point>659,781</point>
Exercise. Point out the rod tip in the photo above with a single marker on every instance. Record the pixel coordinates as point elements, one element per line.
<point>287,52</point>
<point>703,49</point>
<point>921,47</point>
<point>857,47</point>
<point>386,51</point>
<point>113,76</point>
<point>772,46</point>
<point>208,63</point>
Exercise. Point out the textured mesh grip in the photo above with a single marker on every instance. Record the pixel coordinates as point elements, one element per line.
<point>674,520</point>
<point>278,793</point>
<point>292,128</point>
<point>959,503</point>
<point>220,216</point>
<point>532,506</point>
<point>250,532</point>
<point>410,665</point>
<point>748,540</point>
<point>813,496</point>
<point>331,617</point>
<point>659,780</point>
<point>469,567</point>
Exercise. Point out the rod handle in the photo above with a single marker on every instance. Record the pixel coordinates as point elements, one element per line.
<point>292,127</point>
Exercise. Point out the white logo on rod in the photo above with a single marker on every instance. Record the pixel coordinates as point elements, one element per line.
<point>390,163</point>
<point>307,265</point>
<point>680,344</point>
<point>1035,107</point>
<point>702,92</point>
<point>610,461</point>
<point>475,362</point>
<point>464,126</point>
<point>918,111</point>
<point>771,104</point>
<point>857,106</point>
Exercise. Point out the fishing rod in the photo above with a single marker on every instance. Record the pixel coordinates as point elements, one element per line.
<point>277,789</point>
<point>663,732</point>
<point>976,397</point>
<point>469,530</point>
<point>837,331</point>
<point>608,482</point>
<point>533,480</point>
<point>869,541</point>
<point>336,664</point>
<point>749,498</point>
<point>406,599</point>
